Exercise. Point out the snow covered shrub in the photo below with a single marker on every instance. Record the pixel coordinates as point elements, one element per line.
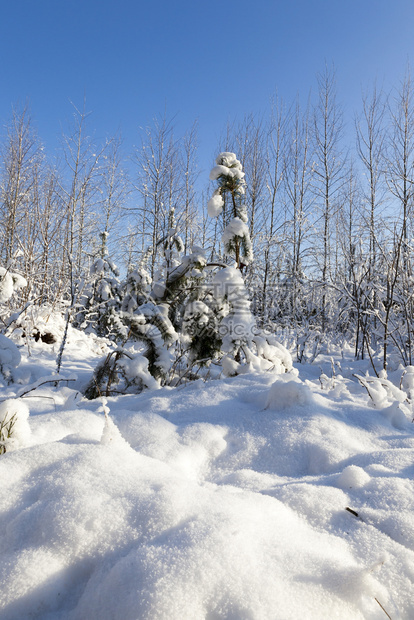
<point>9,354</point>
<point>14,425</point>
<point>151,327</point>
<point>132,371</point>
<point>151,312</point>
<point>407,382</point>
<point>135,371</point>
<point>135,289</point>
<point>236,326</point>
<point>192,312</point>
<point>272,355</point>
<point>200,332</point>
<point>121,371</point>
<point>10,358</point>
<point>9,283</point>
<point>381,390</point>
<point>42,323</point>
<point>221,324</point>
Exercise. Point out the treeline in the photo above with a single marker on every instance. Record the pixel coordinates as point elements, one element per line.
<point>330,213</point>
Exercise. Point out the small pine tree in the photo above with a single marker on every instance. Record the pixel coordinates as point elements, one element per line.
<point>148,313</point>
<point>204,312</point>
<point>228,199</point>
<point>240,339</point>
<point>100,297</point>
<point>230,300</point>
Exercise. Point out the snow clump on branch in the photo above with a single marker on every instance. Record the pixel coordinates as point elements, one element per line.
<point>10,282</point>
<point>215,204</point>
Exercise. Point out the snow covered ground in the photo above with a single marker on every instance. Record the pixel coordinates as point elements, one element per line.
<point>257,497</point>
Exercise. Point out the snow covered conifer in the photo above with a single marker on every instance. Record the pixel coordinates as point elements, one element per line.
<point>240,340</point>
<point>146,317</point>
<point>230,304</point>
<point>228,199</point>
<point>101,294</point>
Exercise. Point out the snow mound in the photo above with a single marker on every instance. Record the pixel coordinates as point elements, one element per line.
<point>111,434</point>
<point>148,543</point>
<point>287,393</point>
<point>197,503</point>
<point>10,357</point>
<point>353,477</point>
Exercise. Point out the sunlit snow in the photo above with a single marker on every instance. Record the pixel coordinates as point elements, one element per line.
<point>259,497</point>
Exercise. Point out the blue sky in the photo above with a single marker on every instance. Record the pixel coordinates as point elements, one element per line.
<point>211,61</point>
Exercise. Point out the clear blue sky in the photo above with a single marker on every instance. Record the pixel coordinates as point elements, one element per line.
<point>212,61</point>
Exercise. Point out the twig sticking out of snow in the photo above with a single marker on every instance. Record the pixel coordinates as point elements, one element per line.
<point>6,431</point>
<point>14,426</point>
<point>110,434</point>
<point>384,610</point>
<point>43,381</point>
<point>352,512</point>
<point>105,407</point>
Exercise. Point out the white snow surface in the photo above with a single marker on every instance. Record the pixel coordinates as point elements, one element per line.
<point>224,499</point>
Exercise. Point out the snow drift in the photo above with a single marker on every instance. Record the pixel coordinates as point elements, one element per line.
<point>257,497</point>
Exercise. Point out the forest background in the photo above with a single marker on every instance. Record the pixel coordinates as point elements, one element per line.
<point>329,184</point>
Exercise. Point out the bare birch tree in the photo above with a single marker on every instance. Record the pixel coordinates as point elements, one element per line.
<point>328,174</point>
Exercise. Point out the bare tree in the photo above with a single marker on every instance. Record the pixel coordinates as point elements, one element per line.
<point>50,214</point>
<point>274,216</point>
<point>114,188</point>
<point>400,180</point>
<point>297,177</point>
<point>80,190</point>
<point>370,146</point>
<point>328,172</point>
<point>400,156</point>
<point>21,155</point>
<point>158,184</point>
<point>188,208</point>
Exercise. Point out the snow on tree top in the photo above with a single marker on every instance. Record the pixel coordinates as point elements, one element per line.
<point>219,171</point>
<point>228,159</point>
<point>227,165</point>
